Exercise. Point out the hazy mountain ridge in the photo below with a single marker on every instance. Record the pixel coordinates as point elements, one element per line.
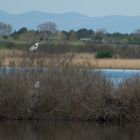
<point>72,20</point>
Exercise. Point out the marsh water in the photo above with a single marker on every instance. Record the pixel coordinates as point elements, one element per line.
<point>116,75</point>
<point>43,130</point>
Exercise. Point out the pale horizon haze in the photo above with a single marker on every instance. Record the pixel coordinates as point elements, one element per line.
<point>91,8</point>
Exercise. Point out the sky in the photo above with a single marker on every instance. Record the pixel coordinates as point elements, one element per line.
<point>93,8</point>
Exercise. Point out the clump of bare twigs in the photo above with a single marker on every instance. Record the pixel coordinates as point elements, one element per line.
<point>66,92</point>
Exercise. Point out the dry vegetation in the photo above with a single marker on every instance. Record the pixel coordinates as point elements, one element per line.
<point>67,92</point>
<point>23,58</point>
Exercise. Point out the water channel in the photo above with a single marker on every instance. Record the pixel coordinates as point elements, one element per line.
<point>43,130</point>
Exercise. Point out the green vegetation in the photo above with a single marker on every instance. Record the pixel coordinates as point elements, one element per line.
<point>84,40</point>
<point>103,54</point>
<point>80,41</point>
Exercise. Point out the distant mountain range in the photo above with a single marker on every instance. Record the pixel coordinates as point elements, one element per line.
<point>72,20</point>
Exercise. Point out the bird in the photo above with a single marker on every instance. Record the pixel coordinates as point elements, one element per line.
<point>37,85</point>
<point>34,47</point>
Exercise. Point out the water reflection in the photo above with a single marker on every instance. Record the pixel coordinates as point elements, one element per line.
<point>42,130</point>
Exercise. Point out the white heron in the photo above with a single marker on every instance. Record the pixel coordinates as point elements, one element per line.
<point>37,84</point>
<point>34,47</point>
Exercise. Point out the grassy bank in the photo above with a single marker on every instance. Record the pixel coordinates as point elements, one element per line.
<point>23,58</point>
<point>67,92</point>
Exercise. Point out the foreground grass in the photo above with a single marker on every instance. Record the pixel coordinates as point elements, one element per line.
<point>67,92</point>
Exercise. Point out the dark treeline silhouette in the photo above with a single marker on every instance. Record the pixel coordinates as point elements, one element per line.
<point>85,35</point>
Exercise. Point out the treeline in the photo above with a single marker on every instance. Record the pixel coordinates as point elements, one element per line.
<point>49,31</point>
<point>83,35</point>
<point>81,41</point>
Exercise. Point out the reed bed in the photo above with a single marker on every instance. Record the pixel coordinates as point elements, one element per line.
<point>20,58</point>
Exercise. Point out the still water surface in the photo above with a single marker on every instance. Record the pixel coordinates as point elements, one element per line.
<point>118,75</point>
<point>43,130</point>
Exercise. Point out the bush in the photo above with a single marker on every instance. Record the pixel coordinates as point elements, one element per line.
<point>103,54</point>
<point>10,45</point>
<point>67,92</point>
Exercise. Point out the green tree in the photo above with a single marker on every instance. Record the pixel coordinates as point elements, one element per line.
<point>72,35</point>
<point>84,33</point>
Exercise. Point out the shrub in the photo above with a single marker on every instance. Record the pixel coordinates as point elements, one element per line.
<point>67,92</point>
<point>103,54</point>
<point>10,45</point>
